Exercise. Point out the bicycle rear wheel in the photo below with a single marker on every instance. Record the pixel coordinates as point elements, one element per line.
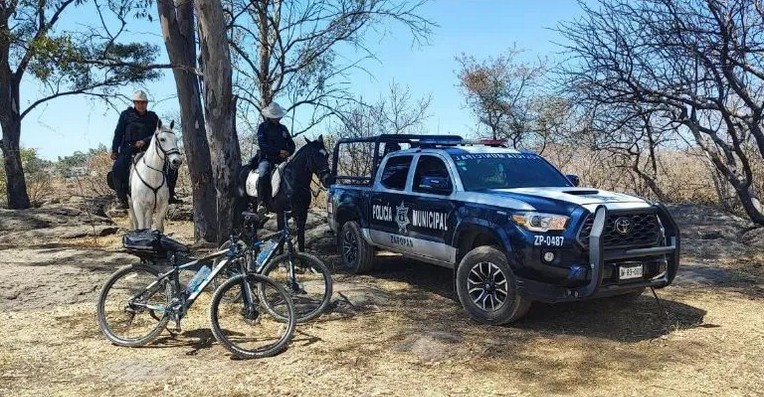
<point>240,321</point>
<point>311,287</point>
<point>131,305</point>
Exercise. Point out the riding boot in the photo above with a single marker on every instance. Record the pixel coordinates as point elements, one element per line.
<point>263,187</point>
<point>120,176</point>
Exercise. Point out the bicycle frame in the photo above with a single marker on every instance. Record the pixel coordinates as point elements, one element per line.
<point>284,236</point>
<point>186,302</point>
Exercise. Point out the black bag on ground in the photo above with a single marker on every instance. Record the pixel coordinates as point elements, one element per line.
<point>146,242</point>
<point>143,242</point>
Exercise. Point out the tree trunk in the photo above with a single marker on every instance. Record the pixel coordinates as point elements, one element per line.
<point>266,96</point>
<point>219,109</point>
<point>179,33</point>
<point>748,199</point>
<point>10,121</point>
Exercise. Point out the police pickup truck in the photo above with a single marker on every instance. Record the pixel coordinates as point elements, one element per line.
<point>513,228</point>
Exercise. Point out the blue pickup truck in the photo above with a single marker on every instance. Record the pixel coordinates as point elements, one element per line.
<point>513,228</point>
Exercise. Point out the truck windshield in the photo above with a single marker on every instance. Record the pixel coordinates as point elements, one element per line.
<point>506,171</point>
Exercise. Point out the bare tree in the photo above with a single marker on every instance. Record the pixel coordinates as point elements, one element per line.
<point>397,112</point>
<point>89,61</point>
<point>698,64</point>
<point>219,109</point>
<point>288,49</point>
<point>631,137</point>
<point>179,31</point>
<point>500,92</point>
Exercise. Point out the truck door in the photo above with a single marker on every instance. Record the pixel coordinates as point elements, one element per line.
<point>433,214</point>
<point>389,216</point>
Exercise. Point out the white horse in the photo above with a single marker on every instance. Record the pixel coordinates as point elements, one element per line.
<point>149,195</point>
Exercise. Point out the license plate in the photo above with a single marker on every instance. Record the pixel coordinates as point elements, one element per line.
<point>629,272</point>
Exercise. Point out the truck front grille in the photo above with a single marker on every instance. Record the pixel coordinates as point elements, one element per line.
<point>644,230</point>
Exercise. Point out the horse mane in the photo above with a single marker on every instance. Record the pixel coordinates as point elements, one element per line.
<point>301,149</point>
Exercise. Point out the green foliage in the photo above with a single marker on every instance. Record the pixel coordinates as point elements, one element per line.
<point>35,171</point>
<point>65,165</point>
<point>81,61</point>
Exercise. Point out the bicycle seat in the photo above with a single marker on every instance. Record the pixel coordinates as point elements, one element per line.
<point>250,216</point>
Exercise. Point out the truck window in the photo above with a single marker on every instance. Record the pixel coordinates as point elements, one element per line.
<point>431,166</point>
<point>506,171</point>
<point>395,172</point>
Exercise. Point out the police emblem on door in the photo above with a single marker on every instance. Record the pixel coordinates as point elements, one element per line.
<point>402,217</point>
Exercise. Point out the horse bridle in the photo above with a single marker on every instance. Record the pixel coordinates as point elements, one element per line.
<point>163,155</point>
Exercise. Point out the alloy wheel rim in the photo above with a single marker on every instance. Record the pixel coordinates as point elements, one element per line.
<point>350,248</point>
<point>487,286</point>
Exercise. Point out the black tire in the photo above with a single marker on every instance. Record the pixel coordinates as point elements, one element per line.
<point>487,287</point>
<point>312,289</point>
<point>356,254</point>
<point>226,314</point>
<point>136,278</point>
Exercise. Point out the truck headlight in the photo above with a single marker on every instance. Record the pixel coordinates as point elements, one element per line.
<point>540,222</point>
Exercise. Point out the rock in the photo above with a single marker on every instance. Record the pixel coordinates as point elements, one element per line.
<point>755,237</point>
<point>181,212</point>
<point>711,235</point>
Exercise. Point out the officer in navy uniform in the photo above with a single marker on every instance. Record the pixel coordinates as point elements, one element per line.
<point>276,145</point>
<point>133,134</point>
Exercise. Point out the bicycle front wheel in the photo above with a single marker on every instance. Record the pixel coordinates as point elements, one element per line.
<point>310,286</point>
<point>131,305</point>
<point>240,321</point>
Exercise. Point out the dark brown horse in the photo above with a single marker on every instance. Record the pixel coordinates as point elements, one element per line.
<point>294,193</point>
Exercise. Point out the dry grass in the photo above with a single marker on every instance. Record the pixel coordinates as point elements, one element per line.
<point>400,331</point>
<point>410,342</point>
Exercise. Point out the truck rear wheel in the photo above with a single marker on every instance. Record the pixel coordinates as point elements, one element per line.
<point>487,287</point>
<point>356,254</point>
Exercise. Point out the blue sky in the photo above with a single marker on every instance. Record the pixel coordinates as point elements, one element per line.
<point>481,28</point>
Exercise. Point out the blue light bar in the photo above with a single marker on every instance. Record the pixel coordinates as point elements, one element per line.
<point>440,140</point>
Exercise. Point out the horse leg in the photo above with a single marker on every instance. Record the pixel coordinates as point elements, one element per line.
<point>280,225</point>
<point>161,213</point>
<point>131,212</point>
<point>146,212</point>
<point>300,218</point>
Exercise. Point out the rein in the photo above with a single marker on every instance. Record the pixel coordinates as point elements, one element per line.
<point>162,155</point>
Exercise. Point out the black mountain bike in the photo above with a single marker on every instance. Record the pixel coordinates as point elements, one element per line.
<point>251,315</point>
<point>306,278</point>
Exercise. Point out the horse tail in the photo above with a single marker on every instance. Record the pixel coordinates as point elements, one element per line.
<point>241,181</point>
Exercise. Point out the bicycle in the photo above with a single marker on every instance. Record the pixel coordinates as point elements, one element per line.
<point>306,278</point>
<point>149,298</point>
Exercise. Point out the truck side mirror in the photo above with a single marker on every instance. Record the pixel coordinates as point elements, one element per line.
<point>435,184</point>
<point>574,179</point>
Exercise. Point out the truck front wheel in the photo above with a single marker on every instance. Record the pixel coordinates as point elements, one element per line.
<point>487,287</point>
<point>356,254</point>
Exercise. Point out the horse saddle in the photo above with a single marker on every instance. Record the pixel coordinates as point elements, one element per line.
<point>253,177</point>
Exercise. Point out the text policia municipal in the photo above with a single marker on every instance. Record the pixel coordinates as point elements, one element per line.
<point>426,219</point>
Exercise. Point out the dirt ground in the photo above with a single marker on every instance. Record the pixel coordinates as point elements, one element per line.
<point>399,331</point>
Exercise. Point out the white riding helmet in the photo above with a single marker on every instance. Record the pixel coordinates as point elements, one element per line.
<point>140,96</point>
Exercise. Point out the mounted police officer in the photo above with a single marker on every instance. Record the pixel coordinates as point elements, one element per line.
<point>133,134</point>
<point>276,145</point>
